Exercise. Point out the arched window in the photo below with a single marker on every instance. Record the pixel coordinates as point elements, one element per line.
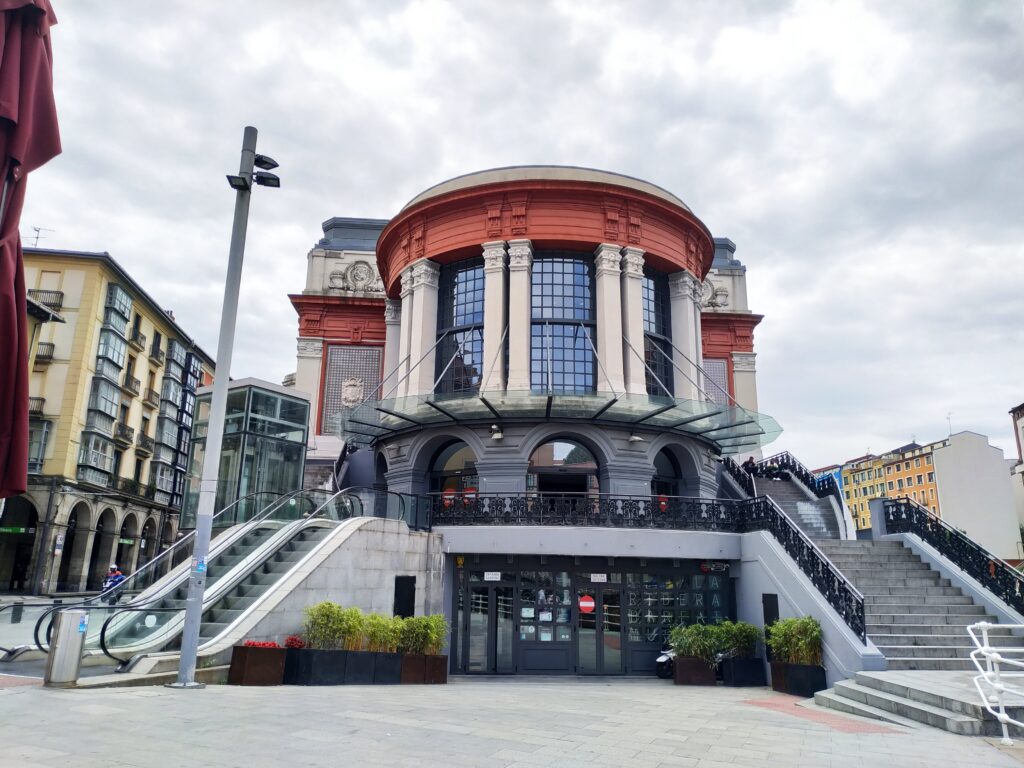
<point>666,474</point>
<point>657,334</point>
<point>460,314</point>
<point>453,469</point>
<point>562,466</point>
<point>562,318</point>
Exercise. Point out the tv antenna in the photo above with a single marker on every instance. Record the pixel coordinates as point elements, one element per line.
<point>949,421</point>
<point>39,234</point>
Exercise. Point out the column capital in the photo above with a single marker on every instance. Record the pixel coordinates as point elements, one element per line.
<point>425,273</point>
<point>607,259</point>
<point>520,255</point>
<point>310,348</point>
<point>494,255</point>
<point>392,312</point>
<point>684,285</point>
<point>408,281</point>
<point>633,261</point>
<point>744,361</point>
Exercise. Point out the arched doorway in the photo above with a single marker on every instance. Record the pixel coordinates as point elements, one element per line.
<point>102,550</point>
<point>147,542</point>
<point>453,469</point>
<point>666,480</point>
<point>562,466</point>
<point>66,541</point>
<point>17,544</point>
<point>127,545</point>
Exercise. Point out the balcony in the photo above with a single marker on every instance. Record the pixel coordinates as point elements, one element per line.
<point>52,299</point>
<point>144,445</point>
<point>152,399</point>
<point>123,434</point>
<point>44,353</point>
<point>35,406</point>
<point>131,385</point>
<point>138,340</point>
<point>156,355</point>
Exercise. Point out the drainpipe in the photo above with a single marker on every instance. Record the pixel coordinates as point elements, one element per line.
<point>43,549</point>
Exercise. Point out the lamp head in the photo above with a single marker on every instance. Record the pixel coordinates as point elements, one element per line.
<point>266,179</point>
<point>238,182</point>
<point>496,433</point>
<point>265,163</point>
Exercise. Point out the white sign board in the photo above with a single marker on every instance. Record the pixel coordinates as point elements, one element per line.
<point>492,575</point>
<point>598,578</point>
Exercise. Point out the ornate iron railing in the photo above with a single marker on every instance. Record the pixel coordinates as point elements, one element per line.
<point>739,474</point>
<point>998,577</point>
<point>152,398</point>
<point>138,339</point>
<point>52,299</point>
<point>665,512</point>
<point>36,405</point>
<point>44,351</point>
<point>787,462</point>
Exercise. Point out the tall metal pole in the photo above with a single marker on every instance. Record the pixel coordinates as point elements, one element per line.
<point>215,433</point>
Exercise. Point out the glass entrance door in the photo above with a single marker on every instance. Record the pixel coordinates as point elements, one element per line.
<point>599,633</point>
<point>489,630</point>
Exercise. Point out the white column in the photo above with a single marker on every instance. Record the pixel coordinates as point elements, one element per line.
<point>744,379</point>
<point>633,319</point>
<point>495,317</point>
<point>520,271</point>
<point>392,343</point>
<point>609,319</point>
<point>310,354</point>
<point>405,336</point>
<point>423,327</point>
<point>684,295</point>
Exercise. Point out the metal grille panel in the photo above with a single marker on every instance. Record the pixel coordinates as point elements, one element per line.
<point>716,372</point>
<point>358,365</point>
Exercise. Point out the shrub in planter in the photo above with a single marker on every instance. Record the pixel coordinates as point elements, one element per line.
<point>318,658</point>
<point>382,636</point>
<point>412,642</point>
<point>740,665</point>
<point>796,656</point>
<point>257,662</point>
<point>436,664</point>
<point>697,647</point>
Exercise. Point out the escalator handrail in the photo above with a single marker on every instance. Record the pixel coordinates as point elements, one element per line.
<point>96,602</point>
<point>402,497</point>
<point>128,608</point>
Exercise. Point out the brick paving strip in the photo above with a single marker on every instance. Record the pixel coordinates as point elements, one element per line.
<point>12,681</point>
<point>788,705</point>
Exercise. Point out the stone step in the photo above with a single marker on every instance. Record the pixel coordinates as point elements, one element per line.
<point>961,619</point>
<point>859,545</point>
<point>931,580</point>
<point>937,717</point>
<point>902,570</point>
<point>912,609</point>
<point>831,700</point>
<point>911,591</point>
<point>919,599</point>
<point>937,639</point>
<point>961,651</point>
<point>947,664</point>
<point>847,561</point>
<point>928,629</point>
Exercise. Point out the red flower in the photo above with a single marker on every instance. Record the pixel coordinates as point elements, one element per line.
<point>294,641</point>
<point>260,644</point>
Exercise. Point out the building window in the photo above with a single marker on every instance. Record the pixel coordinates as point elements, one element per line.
<point>563,327</point>
<point>119,300</point>
<point>919,480</point>
<point>890,485</point>
<point>105,397</point>
<point>716,380</point>
<point>917,462</point>
<point>112,347</point>
<point>931,477</point>
<point>888,470</point>
<point>657,334</point>
<point>910,482</point>
<point>928,460</point>
<point>38,435</point>
<point>460,320</point>
<point>899,483</point>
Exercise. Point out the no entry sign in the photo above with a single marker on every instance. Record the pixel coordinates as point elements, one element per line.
<point>586,604</point>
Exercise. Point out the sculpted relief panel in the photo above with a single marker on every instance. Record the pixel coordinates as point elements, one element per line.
<point>352,274</point>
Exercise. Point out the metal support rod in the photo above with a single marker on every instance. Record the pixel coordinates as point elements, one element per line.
<point>215,433</point>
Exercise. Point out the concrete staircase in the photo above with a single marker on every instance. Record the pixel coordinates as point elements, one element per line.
<point>919,623</point>
<point>815,517</point>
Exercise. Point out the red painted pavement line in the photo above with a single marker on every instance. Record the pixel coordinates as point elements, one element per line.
<point>10,681</point>
<point>788,706</point>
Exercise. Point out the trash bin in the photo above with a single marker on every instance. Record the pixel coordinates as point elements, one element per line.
<point>66,644</point>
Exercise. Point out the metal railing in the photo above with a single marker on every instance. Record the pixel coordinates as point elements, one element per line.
<point>138,339</point>
<point>739,474</point>
<point>152,398</point>
<point>157,355</point>
<point>44,351</point>
<point>52,299</point>
<point>123,433</point>
<point>997,576</point>
<point>680,513</point>
<point>131,384</point>
<point>787,462</point>
<point>35,405</point>
<point>145,443</point>
<point>994,682</point>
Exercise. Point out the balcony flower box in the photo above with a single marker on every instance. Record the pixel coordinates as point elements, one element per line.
<point>257,664</point>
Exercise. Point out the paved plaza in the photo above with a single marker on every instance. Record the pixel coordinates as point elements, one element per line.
<point>510,723</point>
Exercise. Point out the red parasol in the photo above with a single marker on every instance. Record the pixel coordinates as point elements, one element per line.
<point>28,139</point>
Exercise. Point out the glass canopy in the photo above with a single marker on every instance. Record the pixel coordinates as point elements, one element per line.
<point>730,428</point>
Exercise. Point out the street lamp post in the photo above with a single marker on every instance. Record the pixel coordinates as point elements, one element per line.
<point>242,184</point>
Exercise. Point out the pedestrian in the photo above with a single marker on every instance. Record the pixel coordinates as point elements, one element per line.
<point>114,579</point>
<point>750,466</point>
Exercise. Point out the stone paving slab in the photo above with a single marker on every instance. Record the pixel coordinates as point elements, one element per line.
<point>491,723</point>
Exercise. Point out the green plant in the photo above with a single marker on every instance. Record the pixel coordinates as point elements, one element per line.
<point>739,639</point>
<point>414,635</point>
<point>436,633</point>
<point>323,626</point>
<point>700,641</point>
<point>382,634</point>
<point>352,629</point>
<point>795,641</point>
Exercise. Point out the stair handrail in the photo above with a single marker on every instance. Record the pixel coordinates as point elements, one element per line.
<point>829,580</point>
<point>903,515</point>
<point>994,683</point>
<point>819,486</point>
<point>740,475</point>
<point>96,602</point>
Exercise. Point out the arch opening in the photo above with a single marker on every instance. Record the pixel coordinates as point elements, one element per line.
<point>562,466</point>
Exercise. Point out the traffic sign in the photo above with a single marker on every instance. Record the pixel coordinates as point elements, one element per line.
<point>586,604</point>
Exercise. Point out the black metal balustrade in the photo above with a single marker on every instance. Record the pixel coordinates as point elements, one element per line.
<point>52,299</point>
<point>35,405</point>
<point>123,433</point>
<point>739,474</point>
<point>145,444</point>
<point>787,462</point>
<point>659,512</point>
<point>157,355</point>
<point>44,351</point>
<point>138,339</point>
<point>996,575</point>
<point>131,385</point>
<point>152,398</point>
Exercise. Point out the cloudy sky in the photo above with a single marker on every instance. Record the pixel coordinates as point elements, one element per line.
<point>866,157</point>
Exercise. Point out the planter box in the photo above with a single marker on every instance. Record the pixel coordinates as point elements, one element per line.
<point>256,666</point>
<point>691,671</point>
<point>740,673</point>
<point>805,679</point>
<point>414,669</point>
<point>309,666</point>
<point>435,669</point>
<point>387,668</point>
<point>359,667</point>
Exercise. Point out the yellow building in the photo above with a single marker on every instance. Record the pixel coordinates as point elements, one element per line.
<point>863,480</point>
<point>113,395</point>
<point>909,472</point>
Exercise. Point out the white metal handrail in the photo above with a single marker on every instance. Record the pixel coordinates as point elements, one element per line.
<point>994,683</point>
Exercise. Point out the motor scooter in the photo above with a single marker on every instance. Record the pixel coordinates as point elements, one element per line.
<point>663,667</point>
